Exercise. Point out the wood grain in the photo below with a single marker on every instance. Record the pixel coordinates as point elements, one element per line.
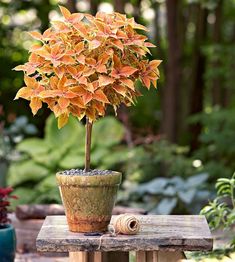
<point>78,256</point>
<point>157,233</point>
<point>141,256</point>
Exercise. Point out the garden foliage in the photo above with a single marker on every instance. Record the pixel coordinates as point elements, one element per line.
<point>41,158</point>
<point>221,211</point>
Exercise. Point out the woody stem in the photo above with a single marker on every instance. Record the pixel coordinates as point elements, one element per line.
<point>88,144</point>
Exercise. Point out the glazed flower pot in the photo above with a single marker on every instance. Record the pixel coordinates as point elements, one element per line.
<point>88,198</point>
<point>7,243</point>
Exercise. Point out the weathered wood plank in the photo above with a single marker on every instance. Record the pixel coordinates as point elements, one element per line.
<point>157,233</point>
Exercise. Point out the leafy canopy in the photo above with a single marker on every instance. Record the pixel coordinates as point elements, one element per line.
<point>83,63</point>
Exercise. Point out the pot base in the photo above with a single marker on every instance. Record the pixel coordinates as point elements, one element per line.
<point>88,227</point>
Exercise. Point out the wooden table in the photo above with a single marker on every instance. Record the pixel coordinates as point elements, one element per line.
<point>161,239</point>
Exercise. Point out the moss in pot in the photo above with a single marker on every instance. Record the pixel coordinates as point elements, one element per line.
<point>81,65</point>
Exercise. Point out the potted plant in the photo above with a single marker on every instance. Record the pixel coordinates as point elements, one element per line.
<point>7,232</point>
<point>82,64</point>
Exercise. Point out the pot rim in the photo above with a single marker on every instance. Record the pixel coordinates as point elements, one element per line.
<point>6,227</point>
<point>110,179</point>
<point>110,172</point>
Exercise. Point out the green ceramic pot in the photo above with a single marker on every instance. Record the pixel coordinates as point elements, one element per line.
<point>7,243</point>
<point>88,200</point>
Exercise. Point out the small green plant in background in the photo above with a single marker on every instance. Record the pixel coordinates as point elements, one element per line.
<point>33,175</point>
<point>220,212</point>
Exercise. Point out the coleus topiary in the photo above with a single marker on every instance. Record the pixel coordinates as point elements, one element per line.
<point>84,63</point>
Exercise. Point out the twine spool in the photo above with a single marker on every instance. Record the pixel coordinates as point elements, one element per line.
<point>126,224</point>
<point>123,224</point>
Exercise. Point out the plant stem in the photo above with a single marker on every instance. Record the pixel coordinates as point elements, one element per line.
<point>232,193</point>
<point>88,144</point>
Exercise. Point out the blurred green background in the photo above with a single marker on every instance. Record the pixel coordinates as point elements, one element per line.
<point>171,146</point>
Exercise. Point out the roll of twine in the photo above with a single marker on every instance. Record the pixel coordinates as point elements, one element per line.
<point>122,224</point>
<point>126,224</point>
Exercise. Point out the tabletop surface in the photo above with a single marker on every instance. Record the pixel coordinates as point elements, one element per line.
<point>157,232</point>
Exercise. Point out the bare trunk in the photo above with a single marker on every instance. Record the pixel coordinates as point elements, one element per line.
<point>71,5</point>
<point>88,144</point>
<point>44,9</point>
<point>119,6</point>
<point>172,89</point>
<point>196,98</point>
<point>94,6</point>
<point>217,83</point>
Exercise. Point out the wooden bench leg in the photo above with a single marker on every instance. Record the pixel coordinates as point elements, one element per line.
<point>98,257</point>
<point>78,256</point>
<point>115,256</point>
<point>159,256</point>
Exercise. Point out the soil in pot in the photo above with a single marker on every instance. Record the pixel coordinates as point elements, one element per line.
<point>88,198</point>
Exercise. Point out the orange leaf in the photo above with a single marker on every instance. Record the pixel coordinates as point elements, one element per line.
<point>82,29</point>
<point>76,17</point>
<point>100,107</point>
<point>63,102</point>
<point>94,44</point>
<point>62,120</point>
<point>120,89</point>
<point>79,90</point>
<point>20,68</point>
<point>76,111</point>
<point>117,43</point>
<point>35,104</point>
<point>91,113</point>
<point>60,71</point>
<point>50,93</point>
<point>127,71</point>
<point>69,94</point>
<point>24,92</point>
<point>30,81</point>
<point>77,101</point>
<point>101,68</point>
<point>148,44</point>
<point>36,35</point>
<point>87,97</point>
<point>61,83</point>
<point>79,48</point>
<point>67,60</point>
<point>81,59</point>
<point>154,63</point>
<point>82,80</point>
<point>100,96</point>
<point>128,83</point>
<point>105,80</point>
<point>65,12</point>
<point>146,81</point>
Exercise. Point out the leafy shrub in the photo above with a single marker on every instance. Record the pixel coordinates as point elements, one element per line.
<point>59,150</point>
<point>221,211</point>
<point>217,150</point>
<point>161,158</point>
<point>168,195</point>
